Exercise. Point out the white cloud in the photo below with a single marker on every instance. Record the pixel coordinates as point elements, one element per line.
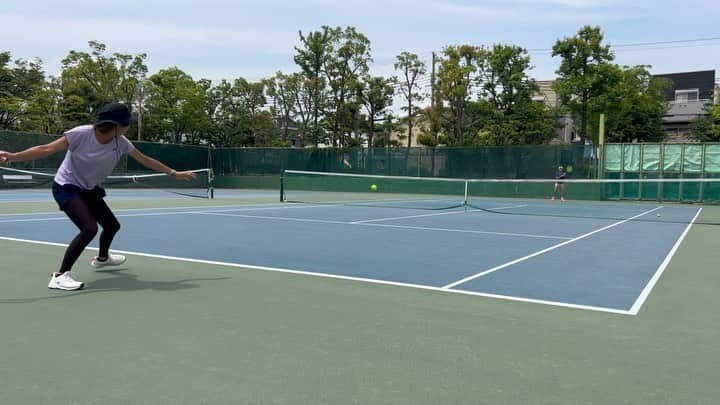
<point>69,32</point>
<point>527,12</point>
<point>578,3</point>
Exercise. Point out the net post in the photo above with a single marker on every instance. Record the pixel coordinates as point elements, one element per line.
<point>282,186</point>
<point>211,180</point>
<point>601,143</point>
<point>465,200</point>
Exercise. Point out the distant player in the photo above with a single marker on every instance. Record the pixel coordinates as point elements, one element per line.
<point>559,183</point>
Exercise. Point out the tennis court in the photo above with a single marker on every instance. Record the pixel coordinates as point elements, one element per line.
<point>243,299</point>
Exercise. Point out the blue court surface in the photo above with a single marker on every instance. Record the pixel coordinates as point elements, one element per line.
<point>583,263</point>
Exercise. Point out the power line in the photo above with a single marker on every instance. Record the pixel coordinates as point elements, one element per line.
<point>643,44</point>
<point>669,42</point>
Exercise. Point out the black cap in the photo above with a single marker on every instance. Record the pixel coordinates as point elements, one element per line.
<point>114,113</point>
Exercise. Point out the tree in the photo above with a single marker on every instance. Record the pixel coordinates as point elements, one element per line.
<point>231,118</point>
<point>387,127</point>
<point>412,69</point>
<point>581,80</point>
<point>455,81</point>
<point>503,77</point>
<point>376,96</point>
<point>633,103</point>
<point>348,60</point>
<point>312,59</point>
<point>252,99</point>
<point>19,87</point>
<point>175,107</point>
<point>707,128</point>
<point>43,110</point>
<point>304,102</point>
<point>283,89</point>
<point>506,113</point>
<point>90,80</point>
<point>211,108</point>
<point>529,124</point>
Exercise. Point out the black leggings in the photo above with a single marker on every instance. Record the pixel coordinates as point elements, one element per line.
<point>86,214</point>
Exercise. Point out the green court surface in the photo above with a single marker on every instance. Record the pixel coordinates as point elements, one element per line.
<point>159,331</point>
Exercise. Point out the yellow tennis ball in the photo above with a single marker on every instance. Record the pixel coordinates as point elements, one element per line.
<point>373,187</point>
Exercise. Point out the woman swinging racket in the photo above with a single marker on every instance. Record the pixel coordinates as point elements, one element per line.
<point>92,153</point>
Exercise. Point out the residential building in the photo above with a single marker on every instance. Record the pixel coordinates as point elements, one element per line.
<point>546,95</point>
<point>688,98</point>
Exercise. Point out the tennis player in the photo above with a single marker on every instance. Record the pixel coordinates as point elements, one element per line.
<point>92,153</point>
<point>559,183</point>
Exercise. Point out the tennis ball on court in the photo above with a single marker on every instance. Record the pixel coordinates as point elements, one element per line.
<point>373,187</point>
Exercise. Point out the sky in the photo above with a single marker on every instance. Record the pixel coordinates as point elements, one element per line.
<point>226,39</point>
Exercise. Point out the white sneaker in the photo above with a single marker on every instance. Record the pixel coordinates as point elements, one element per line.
<point>65,282</point>
<point>112,260</point>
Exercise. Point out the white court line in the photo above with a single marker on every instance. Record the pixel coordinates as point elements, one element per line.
<point>540,252</point>
<point>431,215</point>
<point>406,217</point>
<point>248,207</point>
<point>24,200</point>
<point>505,208</point>
<point>511,234</point>
<point>58,218</point>
<point>651,284</point>
<point>323,221</point>
<point>339,277</point>
<point>221,214</point>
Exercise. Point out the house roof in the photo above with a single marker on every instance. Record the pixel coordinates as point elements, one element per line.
<point>703,80</point>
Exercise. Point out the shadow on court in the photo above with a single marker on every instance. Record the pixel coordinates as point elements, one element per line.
<point>119,281</point>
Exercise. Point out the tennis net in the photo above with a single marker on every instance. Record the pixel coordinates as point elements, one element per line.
<point>201,186</point>
<point>660,200</point>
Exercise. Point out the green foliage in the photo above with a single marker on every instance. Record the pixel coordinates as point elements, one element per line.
<point>533,124</point>
<point>483,96</point>
<point>312,58</point>
<point>411,69</point>
<point>582,70</point>
<point>503,74</point>
<point>20,90</point>
<point>353,142</point>
<point>634,105</point>
<point>707,128</point>
<point>43,110</point>
<point>505,113</point>
<point>427,139</point>
<point>284,91</point>
<point>175,107</point>
<point>454,84</point>
<point>376,95</point>
<point>232,119</point>
<point>94,79</point>
<point>347,62</point>
<point>380,141</point>
<point>278,143</point>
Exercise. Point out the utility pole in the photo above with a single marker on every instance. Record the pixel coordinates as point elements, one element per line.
<point>432,82</point>
<point>140,111</point>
